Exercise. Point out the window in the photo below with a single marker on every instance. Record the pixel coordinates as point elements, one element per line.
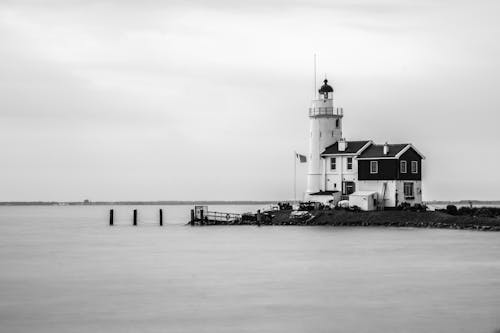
<point>349,163</point>
<point>408,190</point>
<point>402,166</point>
<point>414,166</point>
<point>333,163</point>
<point>373,166</point>
<point>332,134</point>
<point>337,123</point>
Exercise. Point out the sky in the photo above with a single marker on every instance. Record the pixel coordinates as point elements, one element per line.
<point>207,100</point>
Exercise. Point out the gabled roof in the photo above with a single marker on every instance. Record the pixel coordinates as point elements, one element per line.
<point>395,151</point>
<point>353,147</point>
<point>375,151</point>
<point>408,147</point>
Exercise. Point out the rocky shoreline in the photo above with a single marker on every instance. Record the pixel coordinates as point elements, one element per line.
<point>393,218</point>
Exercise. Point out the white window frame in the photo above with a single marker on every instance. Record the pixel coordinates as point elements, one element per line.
<point>373,170</point>
<point>401,169</point>
<point>414,166</point>
<point>347,164</point>
<point>333,162</point>
<point>412,186</point>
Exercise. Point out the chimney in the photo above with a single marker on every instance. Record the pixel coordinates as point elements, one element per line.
<point>342,144</point>
<point>386,148</point>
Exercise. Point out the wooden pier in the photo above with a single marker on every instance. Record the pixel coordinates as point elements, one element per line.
<point>200,215</point>
<point>209,218</point>
<point>134,217</point>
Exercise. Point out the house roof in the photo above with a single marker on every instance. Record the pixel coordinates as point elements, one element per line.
<point>377,151</point>
<point>352,148</point>
<point>324,193</point>
<point>363,193</point>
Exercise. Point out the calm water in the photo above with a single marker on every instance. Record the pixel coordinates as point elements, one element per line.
<point>62,269</point>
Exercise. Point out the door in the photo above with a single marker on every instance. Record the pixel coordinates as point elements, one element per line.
<point>348,188</point>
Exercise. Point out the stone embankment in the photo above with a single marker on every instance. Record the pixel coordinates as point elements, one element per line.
<point>428,219</point>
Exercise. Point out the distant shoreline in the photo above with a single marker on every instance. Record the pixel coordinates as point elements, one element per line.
<point>463,202</point>
<point>207,202</point>
<point>125,203</point>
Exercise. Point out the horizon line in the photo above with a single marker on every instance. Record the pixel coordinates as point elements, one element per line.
<point>193,202</point>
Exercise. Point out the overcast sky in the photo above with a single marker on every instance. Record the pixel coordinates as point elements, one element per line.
<point>181,100</point>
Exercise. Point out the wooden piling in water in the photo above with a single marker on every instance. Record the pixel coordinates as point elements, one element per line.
<point>135,217</point>
<point>161,217</point>
<point>111,217</point>
<point>192,217</point>
<point>259,218</point>
<point>202,220</point>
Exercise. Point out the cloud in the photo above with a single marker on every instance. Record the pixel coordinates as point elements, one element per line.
<point>168,96</point>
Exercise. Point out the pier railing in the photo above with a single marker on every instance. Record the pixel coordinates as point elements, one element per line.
<point>325,111</point>
<point>220,216</point>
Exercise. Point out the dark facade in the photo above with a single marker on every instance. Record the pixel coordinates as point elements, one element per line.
<point>389,168</point>
<point>409,156</point>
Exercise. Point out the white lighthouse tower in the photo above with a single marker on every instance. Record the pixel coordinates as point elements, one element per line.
<point>325,129</point>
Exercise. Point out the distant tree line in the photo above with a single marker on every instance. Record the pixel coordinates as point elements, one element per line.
<point>472,211</point>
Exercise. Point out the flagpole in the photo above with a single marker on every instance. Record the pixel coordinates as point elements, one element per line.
<point>294,176</point>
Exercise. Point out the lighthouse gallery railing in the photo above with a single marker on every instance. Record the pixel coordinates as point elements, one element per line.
<point>326,111</point>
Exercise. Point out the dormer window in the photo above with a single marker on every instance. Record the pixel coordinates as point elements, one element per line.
<point>402,166</point>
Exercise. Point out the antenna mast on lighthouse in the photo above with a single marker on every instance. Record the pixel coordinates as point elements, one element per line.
<point>315,88</point>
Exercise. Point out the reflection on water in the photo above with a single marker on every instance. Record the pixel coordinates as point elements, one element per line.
<point>62,269</point>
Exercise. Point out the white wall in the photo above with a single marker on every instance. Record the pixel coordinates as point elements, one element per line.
<point>341,173</point>
<point>417,191</point>
<point>393,187</point>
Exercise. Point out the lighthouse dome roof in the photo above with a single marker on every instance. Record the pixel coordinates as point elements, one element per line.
<point>325,88</point>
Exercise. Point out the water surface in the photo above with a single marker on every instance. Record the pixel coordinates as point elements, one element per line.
<point>62,269</point>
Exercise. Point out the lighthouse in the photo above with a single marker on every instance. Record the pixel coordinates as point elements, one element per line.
<point>325,121</point>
